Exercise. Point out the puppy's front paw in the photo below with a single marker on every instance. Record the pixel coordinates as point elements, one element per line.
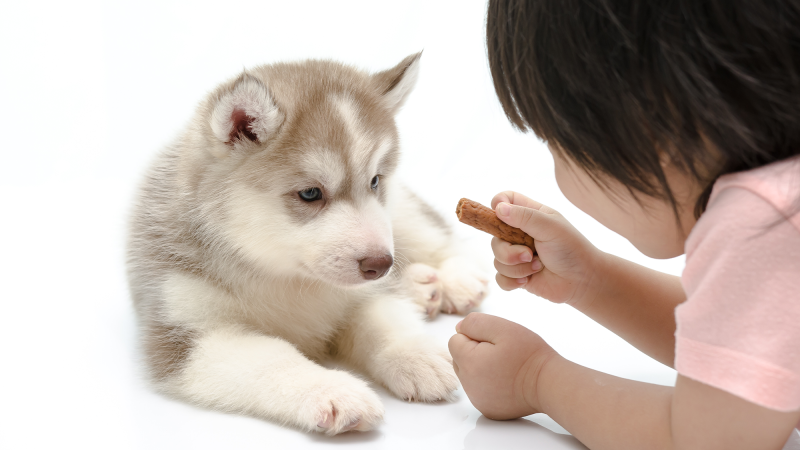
<point>463,284</point>
<point>417,369</point>
<point>426,289</point>
<point>338,402</point>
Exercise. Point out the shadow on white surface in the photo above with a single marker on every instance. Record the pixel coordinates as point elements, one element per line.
<point>352,438</point>
<point>517,434</point>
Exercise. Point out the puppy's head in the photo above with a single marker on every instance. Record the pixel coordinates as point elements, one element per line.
<point>299,160</point>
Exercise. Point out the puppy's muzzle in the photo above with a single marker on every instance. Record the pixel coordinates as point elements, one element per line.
<point>374,267</point>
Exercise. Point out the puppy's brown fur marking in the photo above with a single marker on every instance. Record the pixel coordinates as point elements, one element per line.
<point>167,348</point>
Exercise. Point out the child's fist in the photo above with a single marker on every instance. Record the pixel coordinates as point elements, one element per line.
<point>498,363</point>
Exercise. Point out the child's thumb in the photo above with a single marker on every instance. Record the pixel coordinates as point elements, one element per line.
<point>481,327</point>
<point>537,224</point>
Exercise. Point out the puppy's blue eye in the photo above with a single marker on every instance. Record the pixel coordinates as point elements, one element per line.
<point>374,183</point>
<point>310,194</point>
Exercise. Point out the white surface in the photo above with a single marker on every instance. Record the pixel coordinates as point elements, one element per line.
<point>89,91</point>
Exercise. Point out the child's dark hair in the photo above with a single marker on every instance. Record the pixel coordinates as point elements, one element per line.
<point>620,84</point>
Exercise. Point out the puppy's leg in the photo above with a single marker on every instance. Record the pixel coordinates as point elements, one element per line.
<point>422,236</point>
<point>385,340</point>
<point>235,370</point>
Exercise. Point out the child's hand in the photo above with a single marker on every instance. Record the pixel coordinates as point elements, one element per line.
<point>498,363</point>
<point>566,265</point>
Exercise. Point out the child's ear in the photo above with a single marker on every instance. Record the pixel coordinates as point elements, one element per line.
<point>396,83</point>
<point>245,114</point>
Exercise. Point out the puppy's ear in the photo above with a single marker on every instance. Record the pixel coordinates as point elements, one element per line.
<point>396,83</point>
<point>245,113</point>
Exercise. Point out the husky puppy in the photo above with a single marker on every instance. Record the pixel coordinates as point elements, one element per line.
<point>273,234</point>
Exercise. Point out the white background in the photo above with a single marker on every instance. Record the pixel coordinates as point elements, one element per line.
<point>89,91</point>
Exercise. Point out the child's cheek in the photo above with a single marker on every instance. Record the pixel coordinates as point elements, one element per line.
<point>574,188</point>
<point>583,192</point>
<point>564,179</point>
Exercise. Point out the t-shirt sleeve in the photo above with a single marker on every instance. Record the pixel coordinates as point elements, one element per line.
<point>739,329</point>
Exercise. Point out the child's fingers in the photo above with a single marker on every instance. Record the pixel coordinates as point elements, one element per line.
<point>518,270</point>
<point>483,327</point>
<point>509,284</point>
<point>515,198</point>
<point>539,225</point>
<point>459,344</point>
<point>508,254</point>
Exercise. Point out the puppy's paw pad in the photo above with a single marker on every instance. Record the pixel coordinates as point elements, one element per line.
<point>426,288</point>
<point>327,423</point>
<point>327,419</point>
<point>341,403</point>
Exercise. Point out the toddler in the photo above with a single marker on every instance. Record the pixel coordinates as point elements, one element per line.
<point>677,125</point>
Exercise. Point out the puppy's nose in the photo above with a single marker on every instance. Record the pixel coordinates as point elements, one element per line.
<point>374,267</point>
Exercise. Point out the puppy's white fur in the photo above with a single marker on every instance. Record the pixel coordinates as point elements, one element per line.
<point>242,287</point>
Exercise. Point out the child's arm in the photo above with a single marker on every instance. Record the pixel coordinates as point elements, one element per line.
<point>508,371</point>
<point>634,302</point>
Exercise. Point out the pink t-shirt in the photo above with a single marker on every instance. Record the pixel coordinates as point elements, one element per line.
<point>739,329</point>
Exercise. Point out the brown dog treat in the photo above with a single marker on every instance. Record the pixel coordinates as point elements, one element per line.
<point>476,215</point>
